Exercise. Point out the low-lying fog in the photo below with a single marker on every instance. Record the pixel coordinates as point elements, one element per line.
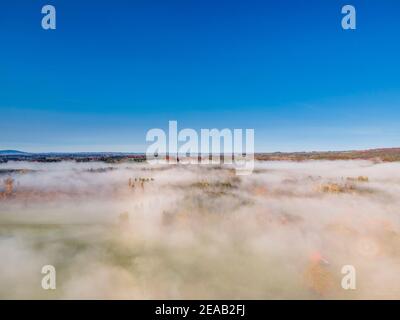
<point>137,231</point>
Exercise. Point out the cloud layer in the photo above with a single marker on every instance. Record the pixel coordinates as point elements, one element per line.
<point>135,231</point>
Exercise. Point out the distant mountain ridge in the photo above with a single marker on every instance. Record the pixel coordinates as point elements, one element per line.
<point>12,152</point>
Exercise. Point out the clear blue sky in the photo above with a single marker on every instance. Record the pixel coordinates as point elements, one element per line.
<point>114,69</point>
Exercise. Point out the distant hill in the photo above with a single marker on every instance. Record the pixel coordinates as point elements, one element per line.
<point>12,153</point>
<point>383,154</point>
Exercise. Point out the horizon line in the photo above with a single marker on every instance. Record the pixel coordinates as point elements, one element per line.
<point>198,153</point>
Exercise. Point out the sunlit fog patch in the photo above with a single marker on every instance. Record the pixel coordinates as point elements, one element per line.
<point>132,230</point>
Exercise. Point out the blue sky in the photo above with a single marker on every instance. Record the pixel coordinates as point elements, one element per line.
<point>114,69</point>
